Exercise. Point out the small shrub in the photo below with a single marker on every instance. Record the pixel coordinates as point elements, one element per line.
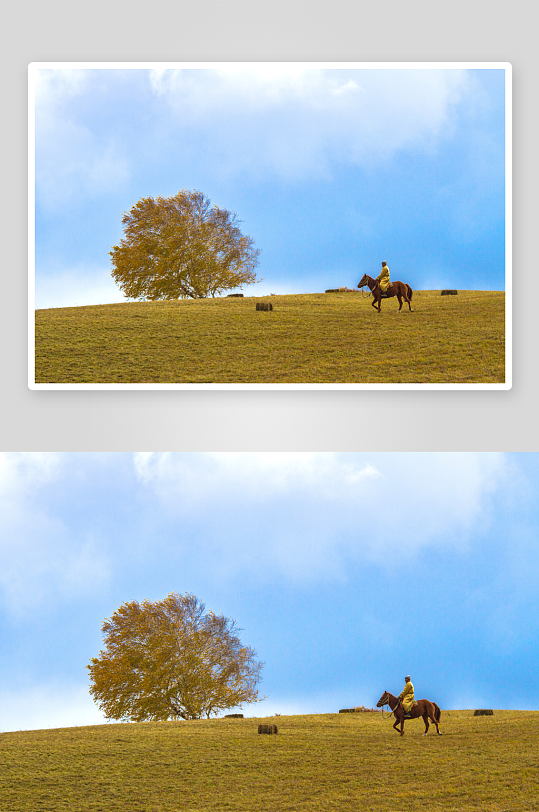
<point>358,709</point>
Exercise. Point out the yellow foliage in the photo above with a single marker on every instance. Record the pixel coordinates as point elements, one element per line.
<point>167,659</point>
<point>178,247</point>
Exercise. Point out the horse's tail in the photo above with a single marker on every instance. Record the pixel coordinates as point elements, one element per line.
<point>410,291</point>
<point>437,712</point>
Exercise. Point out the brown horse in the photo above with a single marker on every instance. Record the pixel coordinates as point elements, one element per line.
<point>399,289</point>
<point>428,710</point>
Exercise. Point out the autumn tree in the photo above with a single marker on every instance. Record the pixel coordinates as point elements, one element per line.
<point>168,659</point>
<point>181,247</point>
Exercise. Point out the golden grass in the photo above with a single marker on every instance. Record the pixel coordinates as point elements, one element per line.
<point>310,338</point>
<point>315,763</point>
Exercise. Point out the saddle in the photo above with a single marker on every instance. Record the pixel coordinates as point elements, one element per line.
<point>407,713</point>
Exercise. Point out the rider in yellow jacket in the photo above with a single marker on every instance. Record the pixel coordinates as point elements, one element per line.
<point>407,695</point>
<point>383,278</point>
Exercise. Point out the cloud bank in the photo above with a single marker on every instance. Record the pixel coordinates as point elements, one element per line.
<point>74,162</point>
<point>289,122</point>
<point>42,560</point>
<point>308,516</point>
<point>293,121</point>
<point>49,705</point>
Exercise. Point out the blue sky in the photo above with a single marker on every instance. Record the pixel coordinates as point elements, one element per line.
<point>331,170</point>
<point>345,571</point>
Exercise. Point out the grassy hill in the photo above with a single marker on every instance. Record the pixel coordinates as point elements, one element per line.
<point>311,338</point>
<point>315,763</point>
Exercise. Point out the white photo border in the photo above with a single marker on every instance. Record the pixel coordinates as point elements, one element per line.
<point>34,67</point>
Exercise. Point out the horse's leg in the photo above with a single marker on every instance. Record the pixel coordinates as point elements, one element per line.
<point>399,297</point>
<point>432,716</point>
<point>404,294</point>
<point>426,720</point>
<point>408,300</point>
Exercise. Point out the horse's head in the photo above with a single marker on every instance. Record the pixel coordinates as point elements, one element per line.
<point>384,699</point>
<point>363,281</point>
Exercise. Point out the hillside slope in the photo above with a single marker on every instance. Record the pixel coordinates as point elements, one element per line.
<point>318,763</point>
<point>311,338</point>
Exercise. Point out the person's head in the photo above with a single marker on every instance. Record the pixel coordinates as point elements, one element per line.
<point>407,679</point>
<point>384,263</point>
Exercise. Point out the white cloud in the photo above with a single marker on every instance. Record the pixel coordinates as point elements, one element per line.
<point>50,705</point>
<point>302,517</point>
<point>349,87</point>
<point>258,477</point>
<point>299,122</point>
<point>74,159</point>
<point>308,516</point>
<point>76,286</point>
<point>54,88</point>
<point>74,165</point>
<point>19,472</point>
<point>41,562</point>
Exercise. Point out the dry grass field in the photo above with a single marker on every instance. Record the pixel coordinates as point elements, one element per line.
<point>315,763</point>
<point>312,338</point>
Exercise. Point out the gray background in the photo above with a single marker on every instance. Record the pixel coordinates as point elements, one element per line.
<point>265,30</point>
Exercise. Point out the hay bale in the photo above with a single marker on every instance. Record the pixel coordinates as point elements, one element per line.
<point>348,710</point>
<point>449,292</point>
<point>484,712</point>
<point>267,728</point>
<point>332,290</point>
<point>234,296</point>
<point>234,716</point>
<point>264,306</point>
